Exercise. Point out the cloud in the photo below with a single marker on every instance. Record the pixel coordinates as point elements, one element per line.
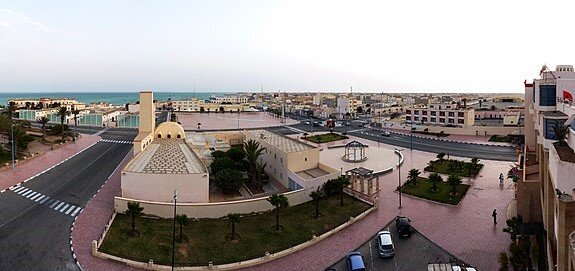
<point>10,19</point>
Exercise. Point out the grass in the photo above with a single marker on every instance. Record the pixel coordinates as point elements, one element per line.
<point>423,190</point>
<point>437,134</point>
<point>506,138</point>
<point>206,238</point>
<point>455,167</point>
<point>324,138</point>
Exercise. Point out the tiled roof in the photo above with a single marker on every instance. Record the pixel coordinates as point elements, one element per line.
<point>166,156</point>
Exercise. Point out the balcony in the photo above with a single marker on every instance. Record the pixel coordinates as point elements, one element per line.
<point>562,167</point>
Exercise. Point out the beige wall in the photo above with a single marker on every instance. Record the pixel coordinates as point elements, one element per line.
<point>232,138</point>
<point>160,187</point>
<point>147,112</point>
<point>476,130</point>
<point>297,160</point>
<point>210,210</point>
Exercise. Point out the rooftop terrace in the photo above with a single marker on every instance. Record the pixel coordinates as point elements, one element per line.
<point>281,142</point>
<point>166,156</point>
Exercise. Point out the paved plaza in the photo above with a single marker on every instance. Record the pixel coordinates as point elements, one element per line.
<point>219,121</point>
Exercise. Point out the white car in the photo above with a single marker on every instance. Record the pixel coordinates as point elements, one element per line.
<point>385,244</point>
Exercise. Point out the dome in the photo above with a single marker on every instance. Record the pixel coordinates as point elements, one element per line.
<point>169,130</point>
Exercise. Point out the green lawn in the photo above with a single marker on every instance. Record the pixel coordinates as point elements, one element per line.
<point>206,238</point>
<point>423,190</point>
<point>324,138</point>
<point>449,167</point>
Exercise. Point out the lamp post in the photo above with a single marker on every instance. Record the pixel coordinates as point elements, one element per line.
<point>12,145</point>
<point>399,172</point>
<point>174,231</point>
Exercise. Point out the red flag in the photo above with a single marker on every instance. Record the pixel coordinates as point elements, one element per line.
<point>567,96</point>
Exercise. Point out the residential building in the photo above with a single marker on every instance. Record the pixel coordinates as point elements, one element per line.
<point>229,100</point>
<point>546,188</point>
<point>441,114</point>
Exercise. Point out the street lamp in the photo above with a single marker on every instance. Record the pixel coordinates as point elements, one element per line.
<point>12,145</point>
<point>174,231</point>
<point>399,176</point>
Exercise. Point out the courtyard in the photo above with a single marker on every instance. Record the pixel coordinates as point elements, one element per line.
<point>226,121</point>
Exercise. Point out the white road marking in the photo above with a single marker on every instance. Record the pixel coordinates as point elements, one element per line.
<point>44,200</point>
<point>57,207</point>
<point>27,192</point>
<point>37,195</point>
<point>63,208</point>
<point>76,211</point>
<point>30,195</point>
<point>70,209</point>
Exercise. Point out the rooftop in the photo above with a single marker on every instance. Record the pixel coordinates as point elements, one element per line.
<point>281,142</point>
<point>166,156</point>
<point>554,114</point>
<point>312,173</point>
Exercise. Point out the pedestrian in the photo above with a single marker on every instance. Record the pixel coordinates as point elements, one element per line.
<point>501,178</point>
<point>494,215</point>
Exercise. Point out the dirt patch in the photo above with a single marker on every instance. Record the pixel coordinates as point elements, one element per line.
<point>565,152</point>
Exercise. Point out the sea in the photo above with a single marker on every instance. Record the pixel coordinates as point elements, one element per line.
<point>116,98</point>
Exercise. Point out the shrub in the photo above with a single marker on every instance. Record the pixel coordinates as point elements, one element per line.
<point>229,180</point>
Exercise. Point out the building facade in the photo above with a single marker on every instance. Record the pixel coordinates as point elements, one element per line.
<point>441,114</point>
<point>546,188</point>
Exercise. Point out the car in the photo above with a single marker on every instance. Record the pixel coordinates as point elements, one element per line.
<point>355,261</point>
<point>386,134</point>
<point>385,244</point>
<point>306,123</point>
<point>403,225</point>
<point>347,123</point>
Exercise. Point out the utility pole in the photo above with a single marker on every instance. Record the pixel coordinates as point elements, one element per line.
<point>399,176</point>
<point>12,145</point>
<point>174,231</point>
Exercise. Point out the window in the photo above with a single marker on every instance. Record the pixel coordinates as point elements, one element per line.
<point>460,114</point>
<point>159,135</point>
<point>424,113</point>
<point>305,159</point>
<point>442,114</point>
<point>424,119</point>
<point>281,160</point>
<point>275,156</point>
<point>549,125</point>
<point>433,113</point>
<point>451,121</point>
<point>433,119</point>
<point>460,121</point>
<point>547,95</point>
<point>416,112</point>
<point>407,111</point>
<point>451,114</point>
<point>407,117</point>
<point>442,120</point>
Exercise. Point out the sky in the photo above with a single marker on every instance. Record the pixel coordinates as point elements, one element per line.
<point>318,46</point>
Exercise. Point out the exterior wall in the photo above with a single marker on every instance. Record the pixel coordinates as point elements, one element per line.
<point>128,121</point>
<point>304,160</point>
<point>476,130</point>
<point>142,141</point>
<point>191,187</point>
<point>232,138</point>
<point>565,225</point>
<point>561,172</point>
<point>210,210</point>
<point>441,115</point>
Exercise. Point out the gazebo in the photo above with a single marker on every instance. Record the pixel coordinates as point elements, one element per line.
<point>354,152</point>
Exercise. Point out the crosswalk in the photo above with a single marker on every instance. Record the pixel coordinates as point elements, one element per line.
<point>54,204</point>
<point>116,141</point>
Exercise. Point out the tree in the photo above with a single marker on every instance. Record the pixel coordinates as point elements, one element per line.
<point>11,109</point>
<point>493,108</point>
<point>279,201</point>
<point>75,113</point>
<point>182,220</point>
<point>464,100</point>
<point>252,152</point>
<point>222,163</point>
<point>514,226</point>
<point>503,261</point>
<point>316,197</point>
<point>359,110</point>
<point>236,154</point>
<point>440,156</point>
<point>435,178</point>
<point>413,175</point>
<point>342,182</point>
<point>234,218</point>
<point>21,138</point>
<point>474,162</point>
<point>453,181</point>
<point>63,112</point>
<point>134,211</point>
<point>561,132</point>
<point>43,121</point>
<point>199,124</point>
<point>229,180</point>
<point>513,174</point>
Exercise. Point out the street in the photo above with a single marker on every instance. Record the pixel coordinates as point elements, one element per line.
<point>35,218</point>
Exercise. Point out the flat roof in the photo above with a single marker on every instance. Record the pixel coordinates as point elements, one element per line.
<point>281,142</point>
<point>558,114</point>
<point>166,156</point>
<point>312,173</point>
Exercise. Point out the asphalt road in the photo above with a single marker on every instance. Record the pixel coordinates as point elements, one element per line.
<point>413,253</point>
<point>35,226</point>
<point>407,142</point>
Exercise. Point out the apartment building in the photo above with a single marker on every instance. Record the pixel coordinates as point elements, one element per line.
<point>546,188</point>
<point>229,100</point>
<point>441,114</point>
<point>193,105</point>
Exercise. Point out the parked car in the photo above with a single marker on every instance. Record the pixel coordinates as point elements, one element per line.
<point>386,134</point>
<point>355,262</point>
<point>403,225</point>
<point>385,244</point>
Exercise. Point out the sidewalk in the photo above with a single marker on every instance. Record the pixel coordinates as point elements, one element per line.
<point>39,164</point>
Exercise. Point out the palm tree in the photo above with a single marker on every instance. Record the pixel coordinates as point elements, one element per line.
<point>440,156</point>
<point>234,218</point>
<point>11,109</point>
<point>75,113</point>
<point>252,152</point>
<point>413,175</point>
<point>182,220</point>
<point>43,121</point>
<point>514,226</point>
<point>316,197</point>
<point>63,112</point>
<point>453,181</point>
<point>342,182</point>
<point>561,133</point>
<point>279,201</point>
<point>435,178</point>
<point>134,211</point>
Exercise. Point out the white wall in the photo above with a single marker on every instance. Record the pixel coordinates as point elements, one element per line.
<point>160,187</point>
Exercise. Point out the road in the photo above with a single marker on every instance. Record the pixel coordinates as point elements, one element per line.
<point>501,153</point>
<point>35,219</point>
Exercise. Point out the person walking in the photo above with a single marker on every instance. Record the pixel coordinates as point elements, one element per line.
<point>501,178</point>
<point>494,215</point>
